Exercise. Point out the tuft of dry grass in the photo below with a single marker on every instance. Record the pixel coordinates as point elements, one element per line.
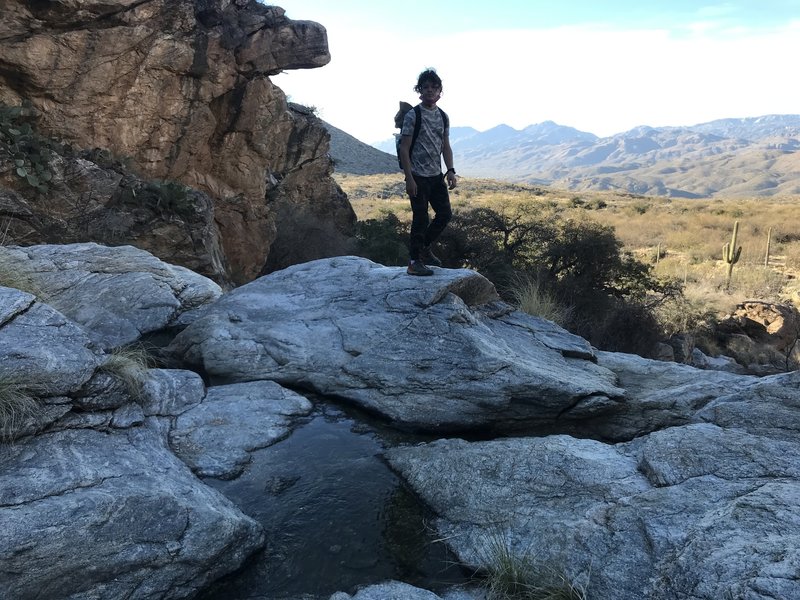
<point>18,404</point>
<point>130,365</point>
<point>512,575</point>
<point>530,297</point>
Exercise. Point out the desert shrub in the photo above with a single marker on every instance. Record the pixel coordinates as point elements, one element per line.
<point>383,240</point>
<point>618,325</point>
<point>20,144</point>
<point>500,245</point>
<point>578,264</point>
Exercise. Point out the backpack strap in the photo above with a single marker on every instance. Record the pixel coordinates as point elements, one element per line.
<point>445,119</point>
<point>417,125</point>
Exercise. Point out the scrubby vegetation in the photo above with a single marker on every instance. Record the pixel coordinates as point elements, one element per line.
<point>130,364</point>
<point>619,269</point>
<point>514,575</point>
<point>23,147</point>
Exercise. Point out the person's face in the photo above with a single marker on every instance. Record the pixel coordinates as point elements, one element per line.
<point>430,92</point>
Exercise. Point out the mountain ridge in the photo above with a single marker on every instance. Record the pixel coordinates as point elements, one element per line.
<point>751,156</point>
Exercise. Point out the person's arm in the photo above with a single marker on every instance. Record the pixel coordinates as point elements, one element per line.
<point>405,162</point>
<point>447,153</point>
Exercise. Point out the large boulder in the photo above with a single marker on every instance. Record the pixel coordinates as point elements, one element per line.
<point>180,89</point>
<point>695,511</point>
<point>764,336</point>
<point>91,514</point>
<point>117,294</point>
<point>432,353</point>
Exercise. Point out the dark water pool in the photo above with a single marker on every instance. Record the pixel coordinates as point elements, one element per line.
<point>336,516</point>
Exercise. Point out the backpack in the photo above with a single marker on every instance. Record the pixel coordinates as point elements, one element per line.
<point>398,121</point>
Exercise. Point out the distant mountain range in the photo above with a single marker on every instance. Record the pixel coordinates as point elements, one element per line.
<point>758,156</point>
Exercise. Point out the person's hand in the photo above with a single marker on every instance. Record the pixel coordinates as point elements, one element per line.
<point>411,187</point>
<point>452,180</point>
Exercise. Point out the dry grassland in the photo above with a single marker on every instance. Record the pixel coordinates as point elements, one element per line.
<point>687,235</point>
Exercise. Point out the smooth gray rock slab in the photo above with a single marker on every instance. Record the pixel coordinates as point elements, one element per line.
<point>88,514</point>
<point>695,511</point>
<point>116,293</point>
<point>659,395</point>
<point>769,406</point>
<point>42,348</point>
<point>216,437</point>
<point>170,392</point>
<point>426,352</point>
<point>390,590</point>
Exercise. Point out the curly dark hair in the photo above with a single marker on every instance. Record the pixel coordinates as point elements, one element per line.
<point>428,75</point>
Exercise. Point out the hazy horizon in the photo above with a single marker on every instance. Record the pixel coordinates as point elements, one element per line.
<point>603,68</point>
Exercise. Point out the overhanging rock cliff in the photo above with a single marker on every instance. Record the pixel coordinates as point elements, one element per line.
<point>180,90</point>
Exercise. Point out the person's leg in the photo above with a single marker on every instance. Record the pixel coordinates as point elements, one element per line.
<point>420,219</point>
<point>439,200</point>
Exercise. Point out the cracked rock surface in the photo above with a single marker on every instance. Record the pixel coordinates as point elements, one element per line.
<point>90,514</point>
<point>429,353</point>
<point>697,511</point>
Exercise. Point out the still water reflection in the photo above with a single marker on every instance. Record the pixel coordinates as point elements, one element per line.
<point>336,516</point>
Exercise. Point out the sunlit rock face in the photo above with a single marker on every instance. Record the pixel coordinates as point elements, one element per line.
<point>181,91</point>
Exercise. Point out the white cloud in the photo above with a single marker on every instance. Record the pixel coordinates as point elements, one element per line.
<point>594,78</point>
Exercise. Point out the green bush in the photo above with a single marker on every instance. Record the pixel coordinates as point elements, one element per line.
<point>608,296</point>
<point>23,147</point>
<point>383,240</point>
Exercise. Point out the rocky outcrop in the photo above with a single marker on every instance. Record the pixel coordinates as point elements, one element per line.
<point>436,353</point>
<point>94,514</point>
<point>181,90</point>
<point>697,511</point>
<point>92,197</point>
<point>763,336</point>
<point>94,502</point>
<point>630,477</point>
<point>117,294</point>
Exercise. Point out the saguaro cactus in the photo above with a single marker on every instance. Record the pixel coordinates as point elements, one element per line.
<point>731,254</point>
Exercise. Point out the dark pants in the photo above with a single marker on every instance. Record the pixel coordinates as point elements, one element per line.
<point>430,191</point>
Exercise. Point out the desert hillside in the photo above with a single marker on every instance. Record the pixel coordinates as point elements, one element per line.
<point>687,235</point>
<point>724,158</point>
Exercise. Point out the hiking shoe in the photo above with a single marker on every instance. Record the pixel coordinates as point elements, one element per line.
<point>429,257</point>
<point>417,267</point>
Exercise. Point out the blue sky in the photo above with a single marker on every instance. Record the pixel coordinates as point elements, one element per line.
<point>603,67</point>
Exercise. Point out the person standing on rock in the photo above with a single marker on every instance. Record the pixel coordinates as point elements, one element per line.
<point>425,141</point>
